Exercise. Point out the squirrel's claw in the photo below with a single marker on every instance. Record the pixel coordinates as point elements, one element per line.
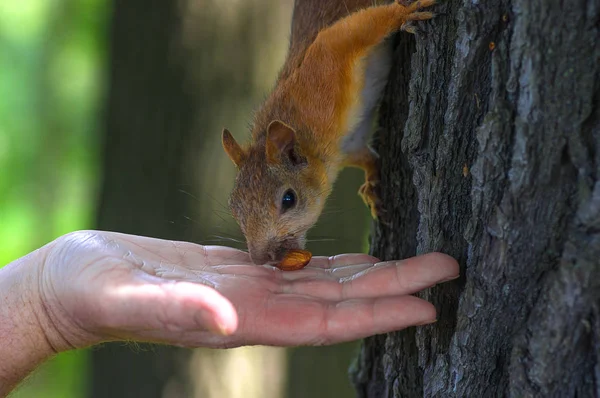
<point>408,27</point>
<point>413,13</point>
<point>368,193</point>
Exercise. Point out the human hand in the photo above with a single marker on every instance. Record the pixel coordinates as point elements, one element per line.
<point>101,286</point>
<point>88,287</point>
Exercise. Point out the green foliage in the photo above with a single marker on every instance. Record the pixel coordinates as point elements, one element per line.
<point>52,71</point>
<point>66,376</point>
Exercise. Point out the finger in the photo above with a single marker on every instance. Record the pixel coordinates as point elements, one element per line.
<point>390,278</point>
<point>348,319</point>
<point>342,260</point>
<point>319,267</point>
<point>332,274</point>
<point>296,320</point>
<point>163,309</point>
<point>310,272</point>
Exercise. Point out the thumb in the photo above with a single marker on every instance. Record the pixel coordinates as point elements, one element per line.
<point>163,310</point>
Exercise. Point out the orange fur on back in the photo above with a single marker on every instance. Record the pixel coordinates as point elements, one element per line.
<point>318,94</point>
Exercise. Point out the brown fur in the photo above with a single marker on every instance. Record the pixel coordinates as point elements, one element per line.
<point>315,92</point>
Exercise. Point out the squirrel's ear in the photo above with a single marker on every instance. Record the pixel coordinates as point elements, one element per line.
<point>281,143</point>
<point>232,148</point>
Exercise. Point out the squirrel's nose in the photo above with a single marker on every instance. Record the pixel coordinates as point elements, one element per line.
<point>271,252</point>
<point>260,255</point>
<point>259,258</point>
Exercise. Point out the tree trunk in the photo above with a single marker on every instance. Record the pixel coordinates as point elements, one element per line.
<point>180,72</point>
<point>493,156</point>
<point>150,120</point>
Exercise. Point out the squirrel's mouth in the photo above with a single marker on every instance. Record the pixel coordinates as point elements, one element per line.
<point>275,250</point>
<point>291,243</point>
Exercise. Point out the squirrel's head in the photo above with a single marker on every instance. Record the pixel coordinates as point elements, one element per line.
<point>279,192</point>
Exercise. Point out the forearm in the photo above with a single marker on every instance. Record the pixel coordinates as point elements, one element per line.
<point>23,340</point>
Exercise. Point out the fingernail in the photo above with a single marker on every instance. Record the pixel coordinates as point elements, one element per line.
<point>218,328</point>
<point>427,322</point>
<point>222,330</point>
<point>450,279</point>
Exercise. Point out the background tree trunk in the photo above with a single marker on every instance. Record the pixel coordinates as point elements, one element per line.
<point>150,122</point>
<point>493,156</point>
<point>179,72</point>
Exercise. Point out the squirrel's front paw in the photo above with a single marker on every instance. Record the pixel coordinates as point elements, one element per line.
<point>408,27</point>
<point>414,5</point>
<point>368,193</point>
<point>412,13</point>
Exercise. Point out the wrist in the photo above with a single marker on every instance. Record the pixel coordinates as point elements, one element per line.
<point>26,332</point>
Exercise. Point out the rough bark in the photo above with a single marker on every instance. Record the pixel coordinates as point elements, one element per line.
<point>493,156</point>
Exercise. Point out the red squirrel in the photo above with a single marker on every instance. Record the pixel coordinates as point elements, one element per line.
<point>316,121</point>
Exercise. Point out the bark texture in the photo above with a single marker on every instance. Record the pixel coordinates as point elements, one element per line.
<point>493,156</point>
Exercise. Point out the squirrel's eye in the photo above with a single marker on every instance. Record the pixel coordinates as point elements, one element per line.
<point>289,200</point>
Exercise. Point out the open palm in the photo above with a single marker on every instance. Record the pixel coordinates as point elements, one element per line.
<point>109,286</point>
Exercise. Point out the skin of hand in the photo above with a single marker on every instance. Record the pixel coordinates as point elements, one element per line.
<point>89,287</point>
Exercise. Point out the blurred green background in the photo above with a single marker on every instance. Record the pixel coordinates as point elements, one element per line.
<point>65,82</point>
<point>52,67</point>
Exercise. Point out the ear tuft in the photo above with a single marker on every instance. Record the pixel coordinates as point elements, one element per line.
<point>232,148</point>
